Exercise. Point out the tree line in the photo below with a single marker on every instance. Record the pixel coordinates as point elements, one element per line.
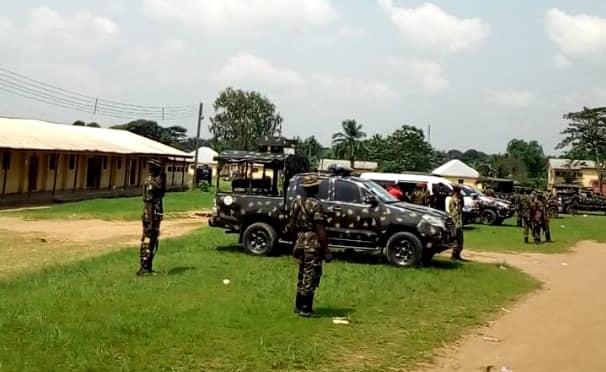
<point>240,117</point>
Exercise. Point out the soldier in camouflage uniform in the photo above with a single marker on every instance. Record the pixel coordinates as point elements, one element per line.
<point>455,210</point>
<point>154,189</point>
<point>546,217</point>
<point>311,245</point>
<point>527,213</point>
<point>421,195</point>
<point>536,213</point>
<point>517,205</point>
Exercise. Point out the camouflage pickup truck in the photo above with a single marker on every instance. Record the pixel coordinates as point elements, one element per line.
<point>574,198</point>
<point>360,215</point>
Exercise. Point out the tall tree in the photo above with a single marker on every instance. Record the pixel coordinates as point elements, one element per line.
<point>93,125</point>
<point>531,154</point>
<point>241,117</point>
<point>350,141</point>
<point>174,136</point>
<point>311,148</point>
<point>406,149</point>
<point>79,123</point>
<point>585,137</point>
<point>506,166</point>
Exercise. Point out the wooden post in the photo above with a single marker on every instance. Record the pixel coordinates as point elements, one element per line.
<point>111,172</point>
<point>77,163</point>
<point>183,174</point>
<point>126,166</point>
<point>4,184</point>
<point>57,162</point>
<point>29,176</point>
<point>172,183</point>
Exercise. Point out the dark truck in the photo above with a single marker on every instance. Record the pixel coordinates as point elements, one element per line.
<point>574,198</point>
<point>493,211</point>
<point>360,214</point>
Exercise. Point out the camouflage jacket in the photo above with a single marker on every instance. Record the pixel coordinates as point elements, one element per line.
<point>421,197</point>
<point>153,192</point>
<point>303,214</point>
<point>455,211</point>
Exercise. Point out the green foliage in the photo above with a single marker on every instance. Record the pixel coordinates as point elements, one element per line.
<point>312,149</point>
<point>531,154</point>
<point>241,117</point>
<point>174,136</point>
<point>96,315</point>
<point>204,186</point>
<point>80,123</point>
<point>118,208</point>
<point>585,137</point>
<point>404,150</point>
<point>349,144</point>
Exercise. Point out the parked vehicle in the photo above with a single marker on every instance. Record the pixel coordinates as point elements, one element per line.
<point>574,198</point>
<point>493,211</point>
<point>361,215</point>
<point>409,182</point>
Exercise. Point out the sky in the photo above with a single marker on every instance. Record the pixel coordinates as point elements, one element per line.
<point>478,72</point>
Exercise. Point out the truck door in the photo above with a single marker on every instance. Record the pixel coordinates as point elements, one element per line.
<point>344,212</point>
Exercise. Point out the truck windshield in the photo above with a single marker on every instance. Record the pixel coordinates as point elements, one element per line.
<point>380,192</point>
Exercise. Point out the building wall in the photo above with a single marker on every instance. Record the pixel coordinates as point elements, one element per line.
<point>586,176</point>
<point>65,171</point>
<point>466,181</point>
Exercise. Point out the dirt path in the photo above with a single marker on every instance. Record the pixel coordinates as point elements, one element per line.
<point>560,328</point>
<point>30,245</point>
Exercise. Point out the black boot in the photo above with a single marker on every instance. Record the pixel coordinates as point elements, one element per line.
<point>548,237</point>
<point>305,308</point>
<point>298,303</point>
<point>526,240</point>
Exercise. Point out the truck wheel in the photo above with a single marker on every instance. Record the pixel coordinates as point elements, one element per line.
<point>404,250</point>
<point>572,209</point>
<point>259,239</point>
<point>488,216</point>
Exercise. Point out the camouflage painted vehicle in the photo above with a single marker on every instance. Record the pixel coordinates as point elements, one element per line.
<point>360,216</point>
<point>574,198</point>
<point>493,211</point>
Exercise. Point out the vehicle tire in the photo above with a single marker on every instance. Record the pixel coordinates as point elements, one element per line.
<point>488,217</point>
<point>404,249</point>
<point>259,239</point>
<point>553,212</point>
<point>572,209</point>
<point>498,222</point>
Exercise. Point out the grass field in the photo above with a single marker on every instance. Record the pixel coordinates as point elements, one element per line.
<point>566,231</point>
<point>118,208</point>
<point>95,315</point>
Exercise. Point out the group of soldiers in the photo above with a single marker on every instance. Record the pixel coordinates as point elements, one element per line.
<point>533,215</point>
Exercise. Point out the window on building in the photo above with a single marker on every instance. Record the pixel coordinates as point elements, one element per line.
<point>6,160</point>
<point>72,162</point>
<point>105,162</point>
<point>119,163</point>
<point>52,162</point>
<point>347,192</point>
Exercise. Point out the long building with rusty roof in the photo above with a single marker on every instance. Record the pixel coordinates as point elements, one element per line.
<point>42,161</point>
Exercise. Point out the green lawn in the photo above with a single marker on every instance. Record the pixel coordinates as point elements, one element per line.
<point>566,231</point>
<point>118,208</point>
<point>97,316</point>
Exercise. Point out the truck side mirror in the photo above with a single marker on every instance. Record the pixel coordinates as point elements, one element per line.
<point>371,199</point>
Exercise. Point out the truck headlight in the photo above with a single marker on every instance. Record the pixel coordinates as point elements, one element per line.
<point>434,221</point>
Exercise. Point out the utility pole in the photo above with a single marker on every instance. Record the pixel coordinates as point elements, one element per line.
<point>429,133</point>
<point>200,117</point>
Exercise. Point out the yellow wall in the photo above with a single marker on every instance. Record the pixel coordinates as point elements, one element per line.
<point>113,175</point>
<point>587,177</point>
<point>466,181</point>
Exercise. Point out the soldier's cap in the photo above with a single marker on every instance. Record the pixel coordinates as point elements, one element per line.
<point>155,162</point>
<point>311,180</point>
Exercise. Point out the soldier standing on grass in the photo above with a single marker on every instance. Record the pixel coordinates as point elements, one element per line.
<point>517,204</point>
<point>545,221</point>
<point>527,214</point>
<point>311,245</point>
<point>154,189</point>
<point>455,210</point>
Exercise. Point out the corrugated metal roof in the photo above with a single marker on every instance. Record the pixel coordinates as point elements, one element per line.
<point>24,134</point>
<point>568,164</point>
<point>456,168</point>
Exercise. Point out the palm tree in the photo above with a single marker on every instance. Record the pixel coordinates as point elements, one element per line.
<point>349,141</point>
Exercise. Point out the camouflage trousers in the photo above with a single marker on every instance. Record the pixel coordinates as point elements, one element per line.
<point>531,225</point>
<point>310,272</point>
<point>519,219</point>
<point>458,244</point>
<point>149,238</point>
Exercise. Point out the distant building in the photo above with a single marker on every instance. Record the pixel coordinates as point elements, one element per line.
<point>583,172</point>
<point>457,171</point>
<point>44,162</point>
<point>276,145</point>
<point>359,166</point>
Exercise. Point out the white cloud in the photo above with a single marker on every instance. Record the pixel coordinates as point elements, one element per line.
<point>82,30</point>
<point>427,74</point>
<point>352,88</point>
<point>249,69</point>
<point>561,61</point>
<point>577,35</point>
<point>349,31</point>
<point>514,98</point>
<point>429,26</point>
<point>230,14</point>
<point>7,29</point>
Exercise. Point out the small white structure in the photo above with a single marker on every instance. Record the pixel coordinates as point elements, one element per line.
<point>206,156</point>
<point>457,171</point>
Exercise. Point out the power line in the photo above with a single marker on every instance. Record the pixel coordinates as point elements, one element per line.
<point>26,87</point>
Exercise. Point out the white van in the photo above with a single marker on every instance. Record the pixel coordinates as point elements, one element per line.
<point>408,182</point>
